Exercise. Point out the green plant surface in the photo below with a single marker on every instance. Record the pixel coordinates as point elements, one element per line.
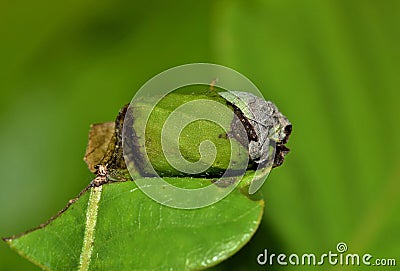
<point>331,66</point>
<point>118,227</point>
<point>226,149</point>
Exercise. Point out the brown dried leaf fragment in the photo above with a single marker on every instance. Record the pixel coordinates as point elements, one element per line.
<point>100,137</point>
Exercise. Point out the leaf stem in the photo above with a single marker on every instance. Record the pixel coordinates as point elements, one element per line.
<point>90,225</point>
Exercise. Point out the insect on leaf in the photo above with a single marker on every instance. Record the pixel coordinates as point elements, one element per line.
<point>113,225</point>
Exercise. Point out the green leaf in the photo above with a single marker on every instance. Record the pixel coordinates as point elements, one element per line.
<point>117,227</point>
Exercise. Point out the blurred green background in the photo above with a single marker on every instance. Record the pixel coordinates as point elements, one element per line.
<point>331,66</point>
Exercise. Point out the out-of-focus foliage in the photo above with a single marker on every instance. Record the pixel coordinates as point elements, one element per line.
<point>331,66</point>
